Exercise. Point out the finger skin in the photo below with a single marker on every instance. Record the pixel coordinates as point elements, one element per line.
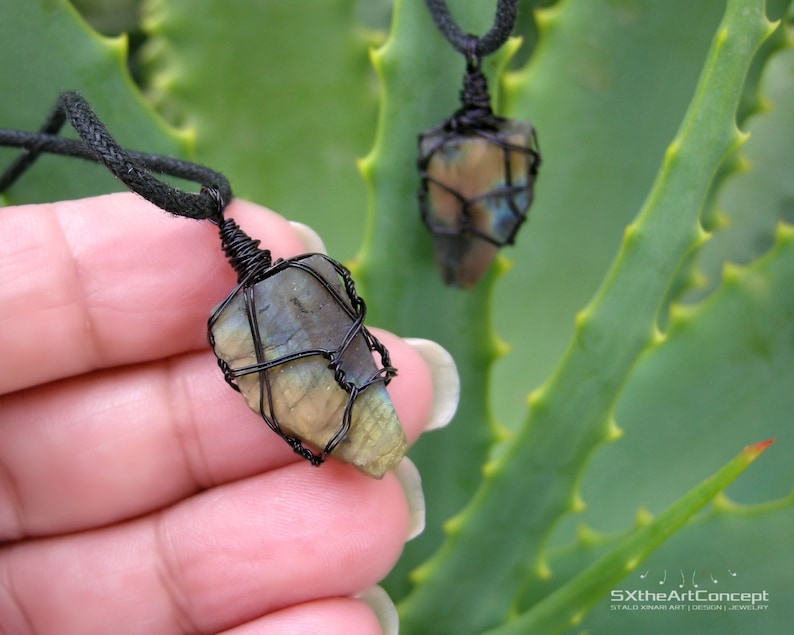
<point>331,616</point>
<point>215,561</point>
<point>115,444</point>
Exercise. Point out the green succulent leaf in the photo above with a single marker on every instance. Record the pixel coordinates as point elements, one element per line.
<point>731,549</point>
<point>280,98</point>
<point>567,605</point>
<point>606,87</point>
<point>47,49</point>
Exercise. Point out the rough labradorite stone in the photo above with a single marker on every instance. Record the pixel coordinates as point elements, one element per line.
<point>476,188</point>
<point>295,313</point>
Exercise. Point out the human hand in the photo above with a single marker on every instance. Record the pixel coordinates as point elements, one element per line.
<point>138,493</point>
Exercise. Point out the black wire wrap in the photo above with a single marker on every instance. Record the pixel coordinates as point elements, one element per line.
<point>352,305</point>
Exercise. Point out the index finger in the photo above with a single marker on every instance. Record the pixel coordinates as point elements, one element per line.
<point>112,280</point>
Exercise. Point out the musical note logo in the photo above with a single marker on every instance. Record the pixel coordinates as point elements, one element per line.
<point>682,584</point>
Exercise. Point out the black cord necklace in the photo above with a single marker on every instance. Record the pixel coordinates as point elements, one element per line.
<point>477,169</point>
<point>290,337</point>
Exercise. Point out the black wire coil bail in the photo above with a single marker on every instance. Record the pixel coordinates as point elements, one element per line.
<point>475,110</point>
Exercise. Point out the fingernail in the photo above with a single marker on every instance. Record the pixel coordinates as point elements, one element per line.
<point>410,480</point>
<point>446,382</point>
<point>311,239</point>
<point>379,601</point>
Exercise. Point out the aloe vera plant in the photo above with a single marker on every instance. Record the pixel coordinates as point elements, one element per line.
<point>646,309</point>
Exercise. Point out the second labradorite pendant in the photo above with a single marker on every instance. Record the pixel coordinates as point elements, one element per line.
<point>477,172</point>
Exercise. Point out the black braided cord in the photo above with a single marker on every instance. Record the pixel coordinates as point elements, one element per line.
<point>133,169</point>
<point>466,44</point>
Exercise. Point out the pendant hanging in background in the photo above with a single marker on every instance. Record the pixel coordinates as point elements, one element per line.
<point>477,173</point>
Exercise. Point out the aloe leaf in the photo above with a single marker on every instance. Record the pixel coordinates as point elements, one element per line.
<point>568,605</point>
<point>723,373</point>
<point>752,202</point>
<point>280,98</point>
<point>606,87</point>
<point>710,383</point>
<point>46,49</point>
<point>571,413</point>
<point>730,548</point>
<point>751,102</point>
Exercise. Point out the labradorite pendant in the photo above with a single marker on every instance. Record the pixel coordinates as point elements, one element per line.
<point>478,173</point>
<point>294,346</point>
